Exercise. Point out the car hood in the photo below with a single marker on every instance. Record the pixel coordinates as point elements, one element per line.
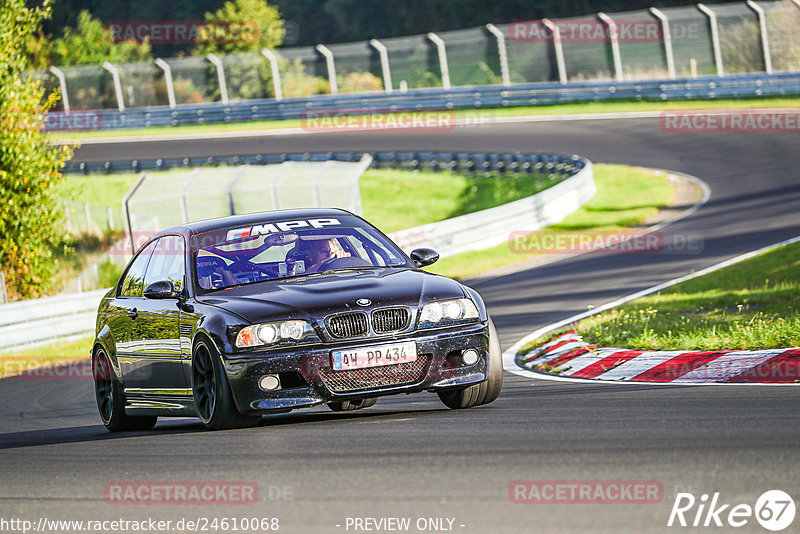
<point>313,297</point>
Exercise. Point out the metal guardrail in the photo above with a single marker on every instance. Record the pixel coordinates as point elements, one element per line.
<point>38,321</point>
<point>490,227</point>
<point>454,98</point>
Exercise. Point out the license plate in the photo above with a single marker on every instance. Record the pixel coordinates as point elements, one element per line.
<point>376,356</point>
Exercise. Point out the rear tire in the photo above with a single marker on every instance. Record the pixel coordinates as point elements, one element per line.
<point>111,399</point>
<point>212,392</point>
<point>350,405</point>
<point>485,392</point>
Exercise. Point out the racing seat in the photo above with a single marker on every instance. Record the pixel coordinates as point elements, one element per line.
<point>213,273</point>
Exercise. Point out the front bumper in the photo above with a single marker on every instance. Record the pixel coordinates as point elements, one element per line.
<point>438,367</point>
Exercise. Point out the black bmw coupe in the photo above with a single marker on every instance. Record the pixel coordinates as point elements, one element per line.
<point>232,318</point>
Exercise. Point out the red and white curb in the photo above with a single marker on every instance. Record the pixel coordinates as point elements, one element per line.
<point>770,367</point>
<point>569,356</point>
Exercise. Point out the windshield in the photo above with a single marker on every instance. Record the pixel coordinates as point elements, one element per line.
<point>239,258</point>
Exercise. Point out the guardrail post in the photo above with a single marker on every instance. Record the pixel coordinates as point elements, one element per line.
<point>443,66</point>
<point>117,84</point>
<point>501,52</point>
<point>276,73</point>
<point>386,71</point>
<point>562,69</point>
<point>665,30</point>
<point>126,211</point>
<point>762,24</point>
<point>326,52</point>
<point>62,83</point>
<point>163,65</point>
<point>712,20</point>
<point>614,39</point>
<point>223,86</point>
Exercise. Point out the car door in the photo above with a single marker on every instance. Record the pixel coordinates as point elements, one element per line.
<point>125,312</point>
<point>156,331</point>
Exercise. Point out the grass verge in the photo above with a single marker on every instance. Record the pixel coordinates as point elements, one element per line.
<point>749,306</point>
<point>485,114</point>
<point>17,361</point>
<point>626,196</point>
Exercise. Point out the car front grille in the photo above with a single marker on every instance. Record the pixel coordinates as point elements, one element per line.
<point>377,377</point>
<point>348,325</point>
<point>388,320</point>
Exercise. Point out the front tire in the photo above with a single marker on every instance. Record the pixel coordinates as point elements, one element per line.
<point>486,391</point>
<point>111,399</point>
<point>212,392</point>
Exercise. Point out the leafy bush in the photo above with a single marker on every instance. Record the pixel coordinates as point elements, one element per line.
<point>91,44</point>
<point>29,165</point>
<point>358,82</point>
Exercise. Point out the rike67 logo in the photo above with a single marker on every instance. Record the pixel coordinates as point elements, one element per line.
<point>774,510</point>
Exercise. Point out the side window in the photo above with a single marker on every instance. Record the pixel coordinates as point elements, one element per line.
<point>133,283</point>
<point>167,262</point>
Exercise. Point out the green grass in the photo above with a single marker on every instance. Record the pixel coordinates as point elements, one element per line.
<point>16,361</point>
<point>625,197</point>
<point>487,114</point>
<point>749,306</point>
<point>395,200</point>
<point>104,190</point>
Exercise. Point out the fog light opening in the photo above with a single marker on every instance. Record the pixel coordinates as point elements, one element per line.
<point>470,357</point>
<point>269,382</point>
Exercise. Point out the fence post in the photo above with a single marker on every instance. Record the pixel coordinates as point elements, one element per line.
<point>184,192</point>
<point>3,291</point>
<point>87,213</point>
<point>501,52</point>
<point>562,69</point>
<point>223,86</point>
<point>163,65</point>
<point>62,83</point>
<point>232,186</point>
<point>328,55</point>
<point>442,51</point>
<point>276,73</point>
<point>614,39</point>
<point>712,20</point>
<point>127,213</point>
<point>385,69</point>
<point>667,40</point>
<point>762,24</point>
<point>117,84</point>
<point>110,215</point>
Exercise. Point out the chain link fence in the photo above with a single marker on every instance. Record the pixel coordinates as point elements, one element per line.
<point>697,40</point>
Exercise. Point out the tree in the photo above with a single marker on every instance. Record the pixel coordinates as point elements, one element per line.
<point>29,165</point>
<point>242,26</point>
<point>91,44</point>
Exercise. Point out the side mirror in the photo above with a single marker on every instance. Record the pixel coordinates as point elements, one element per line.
<point>422,257</point>
<point>163,289</point>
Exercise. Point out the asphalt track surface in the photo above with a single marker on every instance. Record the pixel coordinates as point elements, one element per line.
<point>411,457</point>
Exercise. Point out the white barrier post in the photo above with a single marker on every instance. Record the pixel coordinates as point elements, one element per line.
<point>276,73</point>
<point>385,70</point>
<point>223,86</point>
<point>117,84</point>
<point>62,83</point>
<point>614,39</point>
<point>164,66</point>
<point>562,69</point>
<point>443,66</point>
<point>762,24</point>
<point>501,52</point>
<point>712,20</point>
<point>328,54</point>
<point>667,40</point>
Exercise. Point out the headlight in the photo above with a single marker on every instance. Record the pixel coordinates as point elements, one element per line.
<point>269,333</point>
<point>447,312</point>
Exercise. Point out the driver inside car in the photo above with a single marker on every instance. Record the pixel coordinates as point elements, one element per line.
<point>212,272</point>
<point>320,251</point>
